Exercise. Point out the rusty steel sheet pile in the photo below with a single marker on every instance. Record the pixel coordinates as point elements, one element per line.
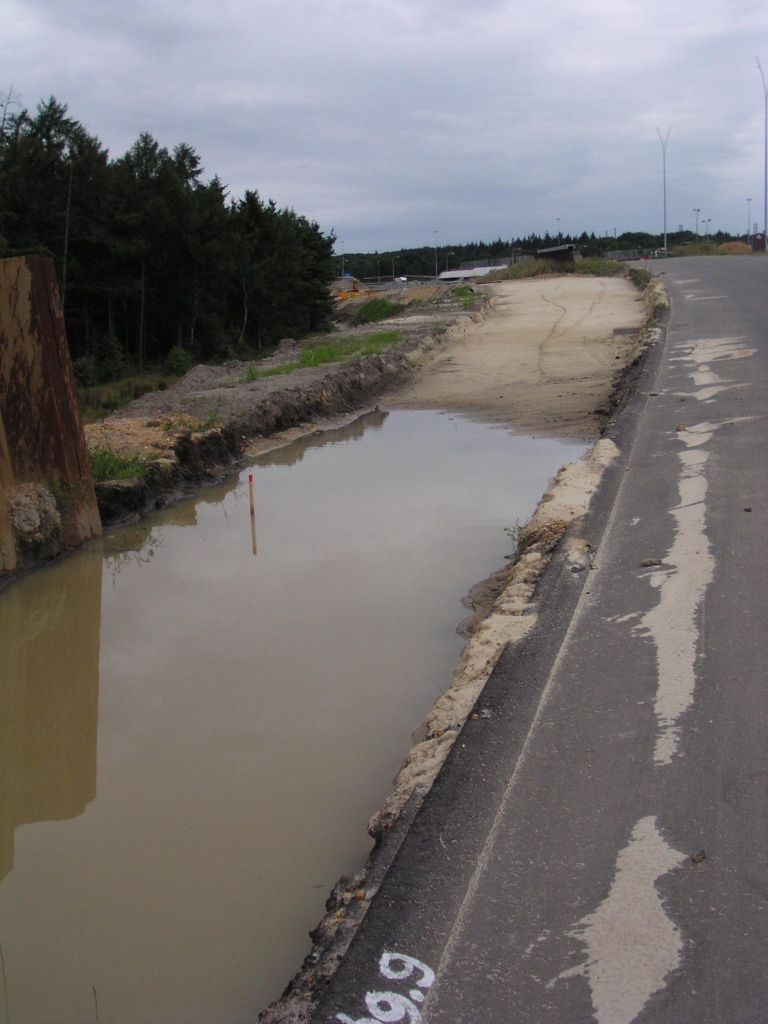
<point>47,499</point>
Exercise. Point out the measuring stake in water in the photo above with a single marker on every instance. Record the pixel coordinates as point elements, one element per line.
<point>253,511</point>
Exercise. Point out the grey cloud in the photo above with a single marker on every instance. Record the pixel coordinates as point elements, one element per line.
<point>389,120</point>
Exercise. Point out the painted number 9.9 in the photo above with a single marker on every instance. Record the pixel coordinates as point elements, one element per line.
<point>390,1007</point>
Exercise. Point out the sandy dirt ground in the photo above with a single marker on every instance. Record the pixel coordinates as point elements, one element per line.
<point>544,360</point>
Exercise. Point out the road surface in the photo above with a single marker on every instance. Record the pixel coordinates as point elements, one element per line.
<point>595,848</point>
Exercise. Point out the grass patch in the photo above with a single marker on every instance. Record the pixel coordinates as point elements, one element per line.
<point>100,400</point>
<point>107,464</point>
<point>318,353</point>
<point>528,268</point>
<point>376,310</point>
<point>465,295</point>
<point>596,266</point>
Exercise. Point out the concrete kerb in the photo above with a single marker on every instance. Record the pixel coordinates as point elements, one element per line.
<point>421,896</point>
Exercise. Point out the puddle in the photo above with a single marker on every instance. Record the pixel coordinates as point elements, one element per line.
<point>193,738</point>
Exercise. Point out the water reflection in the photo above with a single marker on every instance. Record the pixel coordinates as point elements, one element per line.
<point>251,713</point>
<point>49,694</point>
<point>295,452</point>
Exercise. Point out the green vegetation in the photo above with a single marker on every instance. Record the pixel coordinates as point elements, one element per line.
<point>178,361</point>
<point>376,310</point>
<point>97,402</point>
<point>640,277</point>
<point>149,255</point>
<point>466,295</point>
<point>107,464</point>
<point>596,266</point>
<point>317,353</point>
<point>528,268</point>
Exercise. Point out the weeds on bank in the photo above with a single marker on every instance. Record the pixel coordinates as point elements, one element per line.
<point>466,295</point>
<point>100,400</point>
<point>596,266</point>
<point>317,353</point>
<point>518,534</point>
<point>107,464</point>
<point>375,310</point>
<point>640,277</point>
<point>528,268</point>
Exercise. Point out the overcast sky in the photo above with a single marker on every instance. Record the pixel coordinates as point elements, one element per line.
<point>388,120</point>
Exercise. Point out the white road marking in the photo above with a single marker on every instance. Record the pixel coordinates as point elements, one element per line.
<point>632,945</point>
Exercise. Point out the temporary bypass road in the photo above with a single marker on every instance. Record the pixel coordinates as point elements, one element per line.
<point>595,847</point>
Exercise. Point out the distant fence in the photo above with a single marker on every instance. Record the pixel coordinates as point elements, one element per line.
<point>502,261</point>
<point>628,254</point>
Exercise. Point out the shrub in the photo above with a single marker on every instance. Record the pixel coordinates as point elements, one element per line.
<point>86,371</point>
<point>109,358</point>
<point>178,361</point>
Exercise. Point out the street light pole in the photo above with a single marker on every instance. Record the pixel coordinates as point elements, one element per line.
<point>749,221</point>
<point>664,175</point>
<point>558,230</point>
<point>765,156</point>
<point>342,257</point>
<point>435,234</point>
<point>697,211</point>
<point>706,222</point>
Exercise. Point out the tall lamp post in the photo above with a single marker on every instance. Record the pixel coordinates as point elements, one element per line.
<point>435,234</point>
<point>706,222</point>
<point>697,211</point>
<point>342,257</point>
<point>664,176</point>
<point>765,156</point>
<point>749,221</point>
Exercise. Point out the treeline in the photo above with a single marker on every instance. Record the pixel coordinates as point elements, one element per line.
<point>420,262</point>
<point>150,257</point>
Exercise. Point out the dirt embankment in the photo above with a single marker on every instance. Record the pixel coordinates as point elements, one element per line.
<point>247,404</point>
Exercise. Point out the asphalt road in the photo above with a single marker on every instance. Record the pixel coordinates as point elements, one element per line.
<point>550,874</point>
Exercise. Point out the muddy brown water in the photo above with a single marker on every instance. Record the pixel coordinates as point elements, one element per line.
<point>193,738</point>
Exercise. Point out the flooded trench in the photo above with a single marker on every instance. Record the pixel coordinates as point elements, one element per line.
<point>192,738</point>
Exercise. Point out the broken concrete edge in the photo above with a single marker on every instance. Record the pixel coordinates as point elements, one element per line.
<point>345,909</point>
<point>555,545</point>
<point>206,458</point>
